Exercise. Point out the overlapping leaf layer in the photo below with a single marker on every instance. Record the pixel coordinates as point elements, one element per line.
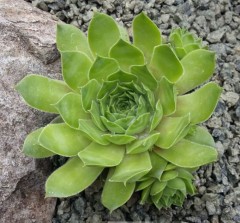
<point>125,107</point>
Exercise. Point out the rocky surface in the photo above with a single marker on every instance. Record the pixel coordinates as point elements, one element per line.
<point>27,43</point>
<point>217,22</point>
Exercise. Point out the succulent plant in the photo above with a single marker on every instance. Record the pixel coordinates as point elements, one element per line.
<point>165,184</point>
<point>183,42</point>
<point>125,107</point>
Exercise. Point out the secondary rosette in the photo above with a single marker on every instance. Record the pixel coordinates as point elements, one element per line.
<point>166,184</point>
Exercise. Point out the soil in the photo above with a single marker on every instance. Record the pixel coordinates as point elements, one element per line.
<point>217,22</point>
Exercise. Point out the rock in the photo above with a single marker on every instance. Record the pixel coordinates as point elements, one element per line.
<point>228,17</point>
<point>231,98</point>
<point>169,2</point>
<point>40,4</point>
<point>79,205</point>
<point>231,37</point>
<point>216,35</point>
<point>27,42</point>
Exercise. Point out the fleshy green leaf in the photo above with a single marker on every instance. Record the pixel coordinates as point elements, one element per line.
<point>175,39</point>
<point>139,124</point>
<point>103,33</point>
<point>70,38</point>
<point>99,155</point>
<point>165,63</point>
<point>187,38</point>
<point>180,52</point>
<point>191,47</point>
<point>89,93</point>
<point>157,116</point>
<point>142,145</point>
<point>88,127</point>
<point>188,154</point>
<point>32,148</point>
<point>119,139</point>
<point>156,198</point>
<point>95,113</point>
<point>102,68</point>
<point>115,194</point>
<point>132,168</point>
<point>107,87</point>
<point>191,189</point>
<point>198,67</point>
<point>184,174</point>
<point>144,76</point>
<point>177,184</point>
<point>63,140</point>
<point>123,33</point>
<point>41,92</point>
<point>122,76</point>
<point>146,35</point>
<point>157,187</point>
<point>158,166</point>
<point>167,95</point>
<point>145,195</point>
<point>126,55</point>
<point>71,178</point>
<point>111,126</point>
<point>71,110</point>
<point>200,104</point>
<point>201,135</point>
<point>170,129</point>
<point>169,175</point>
<point>57,120</point>
<point>150,96</point>
<point>144,184</point>
<point>75,68</point>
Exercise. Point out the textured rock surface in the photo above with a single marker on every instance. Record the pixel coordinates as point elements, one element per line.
<point>27,43</point>
<point>217,22</point>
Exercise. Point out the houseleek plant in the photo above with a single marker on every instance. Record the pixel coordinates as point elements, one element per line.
<point>129,107</point>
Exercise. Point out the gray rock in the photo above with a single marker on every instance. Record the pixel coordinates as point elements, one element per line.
<point>40,4</point>
<point>216,36</point>
<point>27,42</point>
<point>79,205</point>
<point>231,37</point>
<point>231,98</point>
<point>169,2</point>
<point>238,111</point>
<point>228,17</point>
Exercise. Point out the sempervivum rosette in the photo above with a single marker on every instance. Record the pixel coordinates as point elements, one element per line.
<point>165,184</point>
<point>120,105</point>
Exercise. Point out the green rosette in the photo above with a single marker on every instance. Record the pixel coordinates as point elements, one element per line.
<point>119,103</point>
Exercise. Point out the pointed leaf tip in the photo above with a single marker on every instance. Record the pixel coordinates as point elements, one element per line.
<point>32,148</point>
<point>103,33</point>
<point>126,54</point>
<point>70,38</point>
<point>146,35</point>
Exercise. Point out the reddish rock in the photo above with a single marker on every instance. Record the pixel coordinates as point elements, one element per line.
<point>27,43</point>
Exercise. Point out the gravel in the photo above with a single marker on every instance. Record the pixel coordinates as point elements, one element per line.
<point>217,22</point>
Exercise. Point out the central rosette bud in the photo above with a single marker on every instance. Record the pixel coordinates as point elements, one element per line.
<point>126,108</point>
